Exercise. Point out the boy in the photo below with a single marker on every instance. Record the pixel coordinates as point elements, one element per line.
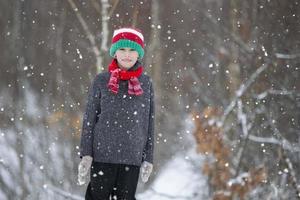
<point>118,125</point>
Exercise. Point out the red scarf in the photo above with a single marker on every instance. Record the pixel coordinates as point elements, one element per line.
<point>134,86</point>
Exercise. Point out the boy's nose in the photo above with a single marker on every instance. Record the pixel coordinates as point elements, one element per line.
<point>126,53</point>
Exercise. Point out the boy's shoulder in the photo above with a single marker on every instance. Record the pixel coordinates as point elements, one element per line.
<point>102,76</point>
<point>146,77</point>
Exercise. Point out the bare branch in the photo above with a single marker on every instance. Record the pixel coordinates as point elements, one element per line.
<point>286,158</point>
<point>113,8</point>
<point>105,30</point>
<point>292,173</point>
<point>235,37</point>
<point>135,16</point>
<point>88,33</point>
<point>96,6</point>
<point>243,120</point>
<point>241,91</point>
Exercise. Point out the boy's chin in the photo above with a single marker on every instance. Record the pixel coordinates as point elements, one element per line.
<point>126,66</point>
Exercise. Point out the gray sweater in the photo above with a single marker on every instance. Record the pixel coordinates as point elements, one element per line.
<point>118,128</point>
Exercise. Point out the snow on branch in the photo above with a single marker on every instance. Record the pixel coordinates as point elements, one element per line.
<point>286,145</point>
<point>291,171</point>
<point>226,183</point>
<point>241,91</point>
<point>284,142</point>
<point>287,56</point>
<point>242,117</point>
<point>288,93</point>
<point>251,80</point>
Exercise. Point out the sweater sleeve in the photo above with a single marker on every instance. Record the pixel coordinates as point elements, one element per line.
<point>90,118</point>
<point>148,150</point>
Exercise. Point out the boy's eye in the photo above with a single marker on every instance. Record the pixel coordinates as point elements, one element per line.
<point>122,49</point>
<point>132,49</point>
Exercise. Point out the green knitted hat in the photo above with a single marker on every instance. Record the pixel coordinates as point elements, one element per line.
<point>127,37</point>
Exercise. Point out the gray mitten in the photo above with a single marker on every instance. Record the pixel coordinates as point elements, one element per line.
<point>146,170</point>
<point>83,169</point>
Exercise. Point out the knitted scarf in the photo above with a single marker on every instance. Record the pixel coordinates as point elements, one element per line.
<point>134,86</point>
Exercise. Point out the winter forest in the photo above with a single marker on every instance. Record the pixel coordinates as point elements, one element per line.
<point>227,95</point>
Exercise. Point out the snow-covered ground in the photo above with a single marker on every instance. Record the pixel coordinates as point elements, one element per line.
<point>180,179</point>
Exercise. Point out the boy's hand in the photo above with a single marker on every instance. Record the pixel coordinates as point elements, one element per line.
<point>83,169</point>
<point>146,170</point>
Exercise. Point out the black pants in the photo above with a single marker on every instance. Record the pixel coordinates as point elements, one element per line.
<point>112,181</point>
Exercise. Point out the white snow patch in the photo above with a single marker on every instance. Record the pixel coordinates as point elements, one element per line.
<point>180,179</point>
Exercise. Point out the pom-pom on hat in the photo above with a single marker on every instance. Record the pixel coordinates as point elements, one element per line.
<point>127,37</point>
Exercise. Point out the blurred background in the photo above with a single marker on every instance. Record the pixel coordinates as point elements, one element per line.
<point>227,86</point>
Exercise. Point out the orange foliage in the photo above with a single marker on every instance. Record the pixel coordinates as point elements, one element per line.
<point>210,142</point>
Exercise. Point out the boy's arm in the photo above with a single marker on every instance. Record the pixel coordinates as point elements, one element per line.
<point>89,119</point>
<point>148,150</point>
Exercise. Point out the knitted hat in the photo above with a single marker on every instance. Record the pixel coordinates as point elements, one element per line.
<point>127,37</point>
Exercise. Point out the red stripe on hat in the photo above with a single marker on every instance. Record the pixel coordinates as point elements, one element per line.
<point>128,36</point>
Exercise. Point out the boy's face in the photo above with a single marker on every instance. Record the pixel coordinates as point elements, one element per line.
<point>126,57</point>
